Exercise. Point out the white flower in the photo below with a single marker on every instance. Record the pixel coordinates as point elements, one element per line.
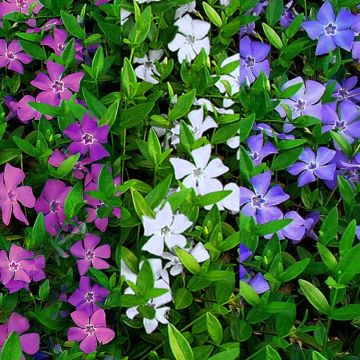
<point>147,68</point>
<point>209,106</point>
<point>231,202</point>
<point>190,39</point>
<point>146,1</point>
<point>198,252</point>
<point>187,8</point>
<point>165,228</point>
<point>124,16</point>
<point>225,2</point>
<point>234,143</point>
<point>201,176</point>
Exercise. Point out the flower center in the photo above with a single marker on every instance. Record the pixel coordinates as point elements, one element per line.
<point>148,64</point>
<point>198,173</point>
<point>249,61</point>
<point>61,47</point>
<point>312,166</point>
<point>14,266</point>
<point>87,139</point>
<point>10,55</point>
<point>57,86</point>
<point>90,255</point>
<point>165,231</point>
<point>300,105</point>
<point>11,196</point>
<point>340,125</point>
<point>21,3</point>
<point>54,206</point>
<point>191,39</point>
<point>89,297</point>
<point>90,330</point>
<point>255,155</point>
<point>330,29</point>
<point>258,201</point>
<point>352,175</point>
<point>342,93</point>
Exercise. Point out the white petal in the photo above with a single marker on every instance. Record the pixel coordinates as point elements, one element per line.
<point>207,186</point>
<point>190,182</point>
<point>200,253</point>
<point>201,156</point>
<point>234,142</point>
<point>178,41</point>
<point>232,201</point>
<point>180,224</point>
<point>175,240</point>
<point>185,25</point>
<point>151,226</point>
<point>155,54</point>
<point>131,312</point>
<point>150,325</point>
<point>160,314</point>
<point>201,28</point>
<point>126,272</point>
<point>215,168</point>
<point>176,270</point>
<point>155,245</point>
<point>202,44</point>
<point>186,52</point>
<point>196,117</point>
<point>182,167</point>
<point>165,217</point>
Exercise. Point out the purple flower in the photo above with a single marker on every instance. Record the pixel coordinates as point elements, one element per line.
<point>56,88</point>
<point>346,91</point>
<point>330,31</point>
<point>260,203</point>
<point>29,342</point>
<point>25,112</point>
<point>269,131</point>
<point>85,296</point>
<point>356,47</point>
<point>11,194</point>
<point>11,103</point>
<point>89,254</point>
<point>46,27</point>
<point>51,204</point>
<point>87,136</point>
<point>346,123</point>
<point>253,60</point>
<point>259,150</point>
<point>90,330</point>
<point>288,15</point>
<point>311,166</point>
<point>101,2</point>
<point>20,6</point>
<point>305,101</point>
<point>13,57</point>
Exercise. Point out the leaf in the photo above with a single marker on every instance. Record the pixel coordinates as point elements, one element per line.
<point>225,133</point>
<point>110,115</point>
<point>141,206</point>
<point>128,79</point>
<point>112,32</point>
<point>285,159</point>
<point>249,294</point>
<point>179,346</point>
<point>345,313</point>
<point>274,11</point>
<point>97,64</point>
<point>182,299</point>
<point>342,142</point>
<point>294,26</point>
<point>44,290</point>
<point>95,105</point>
<point>294,270</point>
<point>271,227</point>
<point>315,296</point>
<point>72,26</point>
<point>12,348</point>
<point>212,198</point>
<point>272,36</point>
<point>135,115</point>
<point>153,146</point>
<point>156,195</point>
<point>329,227</point>
<point>26,147</point>
<point>327,257</point>
<point>145,279</point>
<point>182,106</point>
<point>38,232</point>
<point>45,108</point>
<point>73,200</point>
<point>214,328</point>
<point>67,165</point>
<point>317,356</point>
<point>211,13</point>
<point>346,191</point>
<point>188,260</point>
<point>347,238</point>
<point>349,265</point>
<point>230,354</point>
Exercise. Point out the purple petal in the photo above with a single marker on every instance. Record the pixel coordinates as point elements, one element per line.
<point>313,28</point>
<point>306,177</point>
<point>18,323</point>
<point>90,241</point>
<point>261,182</point>
<point>326,13</point>
<point>325,172</point>
<point>344,39</point>
<point>259,284</point>
<point>89,344</point>
<point>55,70</point>
<point>76,334</point>
<point>80,318</point>
<point>325,45</point>
<point>30,343</point>
<point>324,155</point>
<point>104,335</point>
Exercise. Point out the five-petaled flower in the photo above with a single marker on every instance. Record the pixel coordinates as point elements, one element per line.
<point>13,57</point>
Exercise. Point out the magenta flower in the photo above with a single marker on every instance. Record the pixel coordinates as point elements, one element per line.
<point>11,194</point>
<point>17,265</point>
<point>85,296</point>
<point>51,204</point>
<point>29,342</point>
<point>90,331</point>
<point>87,136</point>
<point>13,57</point>
<point>20,6</point>
<point>89,254</point>
<point>54,87</point>
<point>12,104</point>
<point>25,112</point>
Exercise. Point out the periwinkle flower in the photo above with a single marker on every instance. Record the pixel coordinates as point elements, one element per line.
<point>51,204</point>
<point>288,15</point>
<point>89,254</point>
<point>25,112</point>
<point>147,68</point>
<point>331,31</point>
<point>346,90</point>
<point>29,342</point>
<point>20,6</point>
<point>12,56</point>
<point>261,202</point>
<point>90,330</point>
<point>305,101</point>
<point>87,137</point>
<point>54,86</point>
<point>259,150</point>
<point>313,166</point>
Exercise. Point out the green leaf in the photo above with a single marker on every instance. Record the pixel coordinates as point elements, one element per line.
<point>135,115</point>
<point>346,191</point>
<point>347,238</point>
<point>145,280</point>
<point>327,257</point>
<point>141,206</point>
<point>294,26</point>
<point>44,290</point>
<point>182,106</point>
<point>345,313</point>
<point>249,294</point>
<point>225,133</point>
<point>12,348</point>
<point>129,83</point>
<point>97,64</point>
<point>100,277</point>
<point>179,346</point>
<point>38,232</point>
<point>212,198</point>
<point>182,299</point>
<point>274,11</point>
<point>317,356</point>
<point>95,105</point>
<point>45,108</point>
<point>155,196</point>
<point>73,200</point>
<point>294,270</point>
<point>315,296</point>
<point>271,227</point>
<point>285,159</point>
<point>230,354</point>
<point>349,266</point>
<point>188,260</point>
<point>329,227</point>
<point>110,115</point>
<point>26,147</point>
<point>67,165</point>
<point>272,36</point>
<point>72,26</point>
<point>214,328</point>
<point>34,50</point>
<point>342,142</point>
<point>211,13</point>
<point>112,32</point>
<point>153,146</point>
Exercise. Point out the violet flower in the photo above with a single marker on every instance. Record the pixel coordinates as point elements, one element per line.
<point>87,137</point>
<point>85,296</point>
<point>330,31</point>
<point>11,194</point>
<point>356,46</point>
<point>29,342</point>
<point>259,150</point>
<point>311,166</point>
<point>346,91</point>
<point>51,204</point>
<point>10,6</point>
<point>288,15</point>
<point>46,27</point>
<point>55,87</point>
<point>90,330</point>
<point>88,254</point>
<point>12,56</point>
<point>253,60</point>
<point>26,113</point>
<point>12,105</point>
<point>260,204</point>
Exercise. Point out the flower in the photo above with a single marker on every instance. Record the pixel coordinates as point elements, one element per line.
<point>288,15</point>
<point>201,176</point>
<point>147,68</point>
<point>190,39</point>
<point>55,87</point>
<point>29,342</point>
<point>25,112</point>
<point>230,202</point>
<point>346,91</point>
<point>260,203</point>
<point>9,6</point>
<point>165,228</point>
<point>51,204</point>
<point>259,150</point>
<point>310,166</point>
<point>186,8</point>
<point>305,101</point>
<point>13,57</point>
<point>87,137</point>
<point>11,194</point>
<point>330,31</point>
<point>253,60</point>
<point>90,330</point>
<point>85,296</point>
<point>89,254</point>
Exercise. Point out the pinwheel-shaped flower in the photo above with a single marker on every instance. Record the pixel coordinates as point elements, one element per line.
<point>147,69</point>
<point>13,56</point>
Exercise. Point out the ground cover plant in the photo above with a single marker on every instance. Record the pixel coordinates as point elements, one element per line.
<point>119,179</point>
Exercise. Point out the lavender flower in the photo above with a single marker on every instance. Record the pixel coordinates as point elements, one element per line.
<point>311,166</point>
<point>288,15</point>
<point>23,7</point>
<point>346,91</point>
<point>13,57</point>
<point>259,150</point>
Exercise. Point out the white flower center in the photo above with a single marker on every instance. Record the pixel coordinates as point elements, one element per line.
<point>198,173</point>
<point>10,55</point>
<point>300,105</point>
<point>90,330</point>
<point>89,297</point>
<point>57,86</point>
<point>191,39</point>
<point>340,125</point>
<point>90,255</point>
<point>165,231</point>
<point>14,266</point>
<point>249,61</point>
<point>258,201</point>
<point>87,139</point>
<point>312,165</point>
<point>342,93</point>
<point>330,29</point>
